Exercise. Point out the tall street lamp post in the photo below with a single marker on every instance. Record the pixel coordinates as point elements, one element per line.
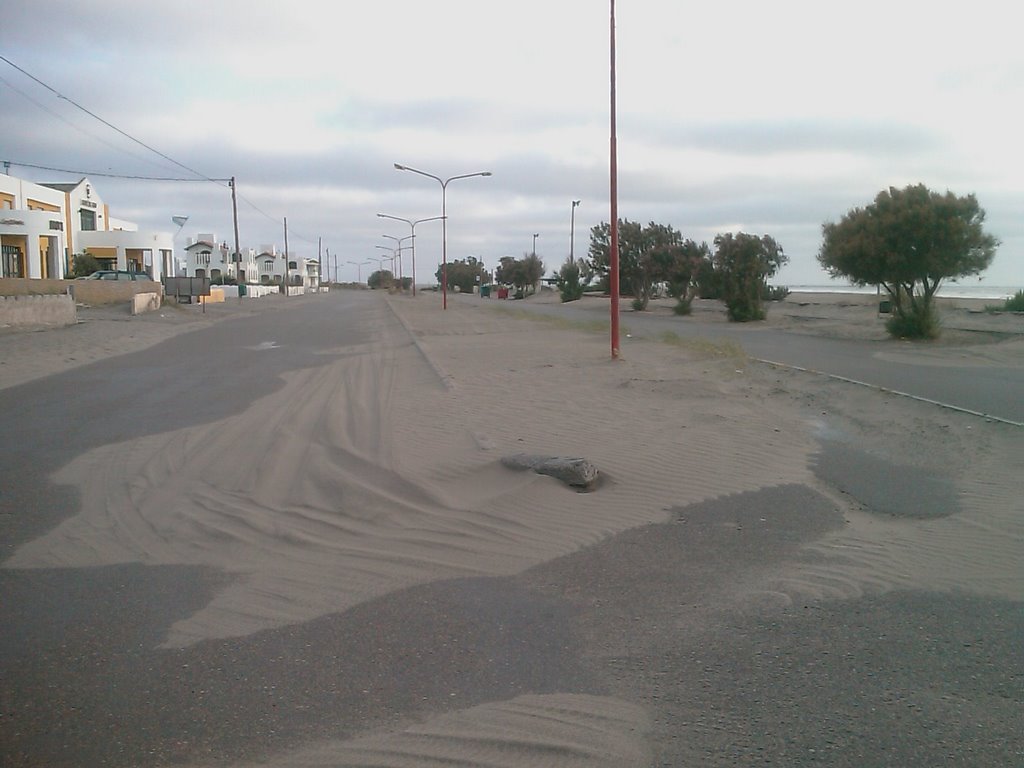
<point>444,219</point>
<point>535,236</point>
<point>572,233</point>
<point>412,234</point>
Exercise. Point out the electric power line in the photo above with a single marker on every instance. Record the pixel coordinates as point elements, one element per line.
<point>105,122</point>
<point>72,125</point>
<point>75,172</point>
<point>202,176</point>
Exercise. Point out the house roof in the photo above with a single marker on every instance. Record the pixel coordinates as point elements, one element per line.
<point>200,242</point>
<point>64,187</point>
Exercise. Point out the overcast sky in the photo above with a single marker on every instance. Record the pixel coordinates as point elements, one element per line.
<point>767,118</point>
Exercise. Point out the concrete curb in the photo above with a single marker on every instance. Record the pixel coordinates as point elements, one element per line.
<point>442,374</point>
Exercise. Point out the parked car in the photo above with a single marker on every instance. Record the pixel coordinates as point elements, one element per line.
<point>115,274</point>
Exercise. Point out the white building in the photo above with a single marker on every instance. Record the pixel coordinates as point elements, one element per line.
<point>42,227</point>
<point>301,273</point>
<point>204,257</point>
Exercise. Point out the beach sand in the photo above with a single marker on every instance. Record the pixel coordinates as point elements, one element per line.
<point>693,439</point>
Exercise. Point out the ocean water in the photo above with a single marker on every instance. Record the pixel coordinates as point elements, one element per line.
<point>947,290</point>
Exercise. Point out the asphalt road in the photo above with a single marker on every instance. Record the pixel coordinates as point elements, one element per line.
<point>994,390</point>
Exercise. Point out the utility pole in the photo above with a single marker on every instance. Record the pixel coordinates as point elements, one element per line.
<point>572,233</point>
<point>238,252</point>
<point>319,264</point>
<point>614,185</point>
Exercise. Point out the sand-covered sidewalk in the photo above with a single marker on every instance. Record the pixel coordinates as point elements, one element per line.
<point>685,434</point>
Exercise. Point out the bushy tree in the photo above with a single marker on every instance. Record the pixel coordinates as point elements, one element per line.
<point>382,278</point>
<point>908,241</point>
<point>523,274</point>
<point>648,256</point>
<point>572,279</point>
<point>683,274</point>
<point>464,274</point>
<point>84,264</point>
<point>744,263</point>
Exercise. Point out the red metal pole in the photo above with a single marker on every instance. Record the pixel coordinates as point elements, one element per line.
<point>614,251</point>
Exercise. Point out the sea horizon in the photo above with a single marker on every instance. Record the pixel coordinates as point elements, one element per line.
<point>946,290</point>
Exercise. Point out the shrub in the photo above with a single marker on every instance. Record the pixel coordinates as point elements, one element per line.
<point>84,264</point>
<point>1015,303</point>
<point>741,311</point>
<point>684,306</point>
<point>774,293</point>
<point>570,286</point>
<point>639,305</point>
<point>920,324</point>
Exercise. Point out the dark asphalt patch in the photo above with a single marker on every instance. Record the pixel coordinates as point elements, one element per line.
<point>84,684</point>
<point>883,485</point>
<point>900,679</point>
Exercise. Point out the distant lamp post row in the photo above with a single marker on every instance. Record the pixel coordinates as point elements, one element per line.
<point>444,219</point>
<point>359,268</point>
<point>392,257</point>
<point>398,250</point>
<point>412,236</point>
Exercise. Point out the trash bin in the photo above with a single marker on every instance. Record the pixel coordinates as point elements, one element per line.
<point>241,289</point>
<point>485,291</point>
<point>884,307</point>
<point>503,293</point>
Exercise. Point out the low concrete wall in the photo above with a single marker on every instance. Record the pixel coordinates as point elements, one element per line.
<point>97,292</point>
<point>18,311</point>
<point>216,296</point>
<point>256,291</point>
<point>251,291</point>
<point>20,286</point>
<point>145,302</point>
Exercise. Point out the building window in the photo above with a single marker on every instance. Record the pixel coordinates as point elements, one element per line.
<point>88,220</point>
<point>203,257</point>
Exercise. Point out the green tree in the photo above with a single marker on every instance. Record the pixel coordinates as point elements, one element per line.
<point>524,274</point>
<point>464,274</point>
<point>683,273</point>
<point>572,279</point>
<point>648,256</point>
<point>908,241</point>
<point>84,264</point>
<point>744,263</point>
<point>382,278</point>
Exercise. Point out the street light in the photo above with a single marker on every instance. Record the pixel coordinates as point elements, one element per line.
<point>359,267</point>
<point>572,233</point>
<point>392,256</point>
<point>535,236</point>
<point>412,229</point>
<point>398,250</point>
<point>444,219</point>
